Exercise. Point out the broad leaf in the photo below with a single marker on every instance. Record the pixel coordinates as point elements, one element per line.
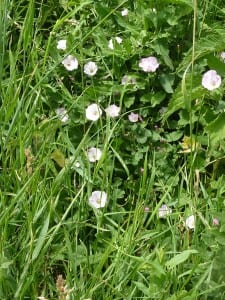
<point>215,63</point>
<point>58,157</point>
<point>193,90</point>
<point>216,129</point>
<point>180,258</point>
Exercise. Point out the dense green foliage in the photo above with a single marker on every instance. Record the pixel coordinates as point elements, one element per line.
<point>172,154</point>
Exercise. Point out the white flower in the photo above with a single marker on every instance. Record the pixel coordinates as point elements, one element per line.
<point>222,55</point>
<point>98,199</point>
<point>190,222</point>
<point>164,210</point>
<point>93,112</point>
<point>118,39</point>
<point>111,42</point>
<point>211,80</point>
<point>75,163</point>
<point>124,12</point>
<point>112,111</point>
<point>61,45</point>
<point>90,68</point>
<point>128,80</point>
<point>133,117</point>
<point>94,154</point>
<point>62,114</point>
<point>70,63</point>
<point>149,64</point>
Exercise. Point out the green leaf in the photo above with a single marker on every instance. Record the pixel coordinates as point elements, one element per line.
<point>128,101</point>
<point>58,157</point>
<point>174,136</point>
<point>193,90</point>
<point>41,239</point>
<point>186,2</point>
<point>216,129</point>
<point>216,64</point>
<point>180,258</point>
<point>158,268</point>
<point>213,42</point>
<point>220,238</point>
<point>166,81</point>
<point>157,98</point>
<point>28,26</point>
<point>154,99</point>
<point>6,264</point>
<point>161,48</point>
<point>143,288</point>
<point>120,159</point>
<point>64,4</point>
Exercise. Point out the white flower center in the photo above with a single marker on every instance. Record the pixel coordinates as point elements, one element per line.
<point>98,201</point>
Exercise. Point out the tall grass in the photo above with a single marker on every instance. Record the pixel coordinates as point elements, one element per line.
<point>53,244</point>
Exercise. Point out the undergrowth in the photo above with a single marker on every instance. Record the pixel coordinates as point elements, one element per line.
<point>123,199</point>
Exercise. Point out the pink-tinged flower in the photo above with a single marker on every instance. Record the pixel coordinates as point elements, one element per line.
<point>90,68</point>
<point>211,80</point>
<point>128,80</point>
<point>93,112</point>
<point>62,114</point>
<point>146,209</point>
<point>70,63</point>
<point>61,45</point>
<point>215,222</point>
<point>98,199</point>
<point>94,154</point>
<point>149,64</point>
<point>124,12</point>
<point>112,42</point>
<point>164,211</point>
<point>133,117</point>
<point>222,55</point>
<point>112,111</point>
<point>190,222</point>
